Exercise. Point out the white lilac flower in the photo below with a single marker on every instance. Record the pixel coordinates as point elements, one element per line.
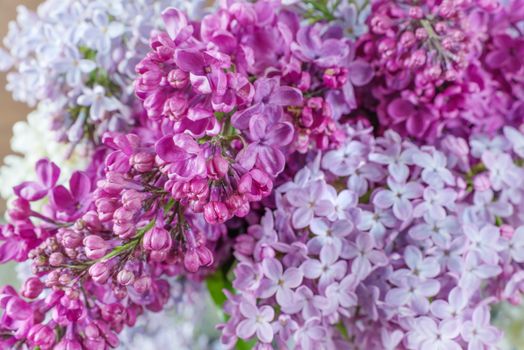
<point>68,48</point>
<point>32,141</point>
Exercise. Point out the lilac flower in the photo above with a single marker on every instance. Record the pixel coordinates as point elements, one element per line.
<point>311,335</point>
<point>507,53</point>
<point>427,334</point>
<point>502,170</point>
<point>418,265</point>
<point>341,203</point>
<point>346,159</point>
<point>257,321</point>
<point>74,66</point>
<point>478,332</point>
<point>439,230</point>
<point>376,223</point>
<point>516,139</point>
<point>308,201</point>
<point>328,233</point>
<point>364,256</point>
<point>413,292</point>
<point>435,203</point>
<point>396,159</point>
<point>267,140</point>
<point>515,246</point>
<point>279,282</point>
<point>484,241</point>
<point>475,270</point>
<point>183,154</point>
<point>47,175</point>
<point>338,297</point>
<point>327,269</point>
<point>398,197</point>
<point>97,101</point>
<point>304,302</point>
<point>451,309</point>
<point>435,172</point>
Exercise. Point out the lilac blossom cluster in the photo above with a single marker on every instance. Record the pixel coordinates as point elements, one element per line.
<point>237,94</point>
<point>78,58</point>
<point>332,194</point>
<point>382,244</point>
<point>444,66</point>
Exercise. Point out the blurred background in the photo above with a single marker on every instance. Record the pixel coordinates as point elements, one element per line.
<point>10,111</point>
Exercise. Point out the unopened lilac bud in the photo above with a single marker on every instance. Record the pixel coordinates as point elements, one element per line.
<point>92,220</point>
<point>42,336</point>
<point>157,239</point>
<point>19,209</point>
<point>32,288</point>
<point>205,255</point>
<point>216,212</point>
<point>507,231</point>
<point>265,252</point>
<point>124,231</point>
<point>105,208</point>
<point>481,182</point>
<point>217,167</point>
<point>72,239</point>
<point>123,216</point>
<point>197,188</point>
<point>143,161</point>
<point>142,284</point>
<point>68,344</point>
<point>178,78</point>
<point>238,205</point>
<point>99,272</point>
<point>191,261</point>
<point>132,200</point>
<point>158,255</point>
<point>305,81</point>
<point>56,259</point>
<point>95,247</point>
<point>255,185</point>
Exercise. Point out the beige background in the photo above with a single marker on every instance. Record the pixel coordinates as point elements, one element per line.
<point>10,111</point>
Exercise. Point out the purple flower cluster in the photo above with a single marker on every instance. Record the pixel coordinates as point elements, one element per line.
<point>237,93</point>
<point>442,66</point>
<point>333,194</point>
<point>382,244</point>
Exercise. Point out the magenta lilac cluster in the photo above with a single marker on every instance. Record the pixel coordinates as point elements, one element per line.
<point>440,67</point>
<point>336,181</point>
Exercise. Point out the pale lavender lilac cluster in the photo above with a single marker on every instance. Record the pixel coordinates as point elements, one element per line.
<point>78,58</point>
<point>383,244</point>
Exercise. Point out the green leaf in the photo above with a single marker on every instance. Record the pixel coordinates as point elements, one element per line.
<point>245,344</point>
<point>216,283</point>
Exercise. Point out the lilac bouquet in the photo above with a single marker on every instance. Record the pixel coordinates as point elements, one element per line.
<point>329,174</point>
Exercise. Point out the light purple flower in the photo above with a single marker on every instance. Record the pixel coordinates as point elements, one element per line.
<point>73,65</point>
<point>435,203</point>
<point>396,159</point>
<point>478,332</point>
<point>327,269</point>
<point>413,292</point>
<point>451,309</point>
<point>364,256</point>
<point>328,233</point>
<point>97,101</point>
<point>427,334</point>
<point>435,172</point>
<point>377,222</point>
<point>338,297</point>
<point>418,265</point>
<point>257,321</point>
<point>279,282</point>
<point>484,241</point>
<point>515,246</point>
<point>309,202</point>
<point>398,196</point>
